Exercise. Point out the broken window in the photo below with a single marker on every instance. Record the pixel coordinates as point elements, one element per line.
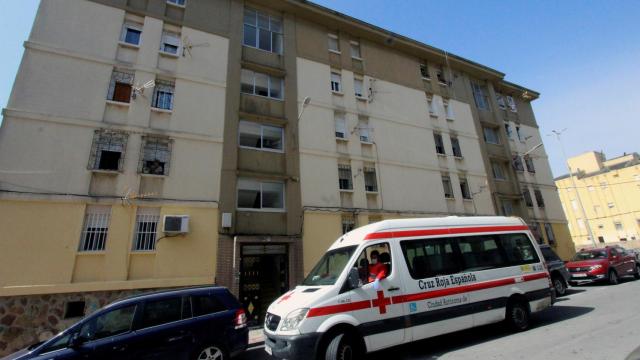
<point>107,151</point>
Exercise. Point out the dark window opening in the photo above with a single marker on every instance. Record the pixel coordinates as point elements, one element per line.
<point>122,92</point>
<point>74,309</point>
<point>109,160</point>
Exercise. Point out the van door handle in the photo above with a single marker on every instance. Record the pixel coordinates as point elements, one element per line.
<point>393,289</point>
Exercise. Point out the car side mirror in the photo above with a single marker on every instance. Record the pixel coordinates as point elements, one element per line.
<point>354,278</point>
<point>76,340</point>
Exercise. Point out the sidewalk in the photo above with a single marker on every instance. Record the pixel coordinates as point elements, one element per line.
<point>256,336</point>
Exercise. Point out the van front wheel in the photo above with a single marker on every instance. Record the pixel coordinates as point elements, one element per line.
<point>341,347</point>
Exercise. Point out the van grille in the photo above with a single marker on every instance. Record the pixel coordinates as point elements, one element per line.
<point>271,321</point>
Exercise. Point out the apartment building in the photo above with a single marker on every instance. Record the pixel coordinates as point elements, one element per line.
<point>164,143</point>
<point>602,197</point>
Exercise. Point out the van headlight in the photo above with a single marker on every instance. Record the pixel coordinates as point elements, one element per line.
<point>292,321</point>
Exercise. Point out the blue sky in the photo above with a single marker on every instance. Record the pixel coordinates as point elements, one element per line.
<point>582,56</point>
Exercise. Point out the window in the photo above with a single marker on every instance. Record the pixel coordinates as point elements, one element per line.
<point>527,198</point>
<point>205,305</point>
<point>146,229</point>
<point>601,239</point>
<point>448,189</point>
<point>260,84</point>
<point>535,230</point>
<point>348,223</point>
<point>501,102</point>
<point>170,43</point>
<point>160,312</point>
<point>431,105</point>
<point>112,323</point>
<point>512,104</point>
<point>507,129</point>
<point>618,226</point>
<point>163,95</point>
<point>448,109</point>
<point>341,126</point>
<point>464,188</point>
<point>156,156</point>
<point>74,309</point>
<point>539,199</point>
<point>455,147</point>
<point>429,258</point>
<point>491,135</point>
<point>480,96</point>
<point>529,162</point>
<point>549,255</point>
<point>131,33</point>
<point>107,150</point>
<point>358,85</point>
<point>611,205</point>
<point>262,137</point>
<point>424,71</point>
<point>255,194</point>
<point>366,269</point>
<point>550,235</point>
<point>370,181</point>
<point>519,133</point>
<point>517,163</point>
<point>498,174</point>
<point>481,253</point>
<point>336,82</point>
<point>177,2</point>
<point>363,129</point>
<point>437,137</point>
<point>345,181</point>
<point>440,75</point>
<point>262,31</point>
<point>519,249</point>
<point>507,207</point>
<point>334,43</point>
<point>120,86</point>
<point>95,228</point>
<point>355,50</point>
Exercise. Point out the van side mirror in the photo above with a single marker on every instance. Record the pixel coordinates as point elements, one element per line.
<point>354,278</point>
<point>76,340</point>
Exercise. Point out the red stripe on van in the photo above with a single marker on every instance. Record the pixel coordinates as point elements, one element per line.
<point>446,231</point>
<point>340,308</point>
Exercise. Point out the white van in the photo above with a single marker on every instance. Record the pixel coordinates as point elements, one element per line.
<point>442,275</point>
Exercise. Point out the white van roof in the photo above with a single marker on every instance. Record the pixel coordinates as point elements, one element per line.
<point>402,228</point>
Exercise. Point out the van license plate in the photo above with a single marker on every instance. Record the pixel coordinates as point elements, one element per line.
<point>579,275</point>
<point>268,350</point>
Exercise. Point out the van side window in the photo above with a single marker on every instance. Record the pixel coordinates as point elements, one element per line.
<point>481,252</point>
<point>158,312</point>
<point>114,322</point>
<point>380,254</point>
<point>519,249</point>
<point>206,304</point>
<point>429,258</point>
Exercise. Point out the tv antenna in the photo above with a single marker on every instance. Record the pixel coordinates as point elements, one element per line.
<point>139,89</point>
<point>188,46</point>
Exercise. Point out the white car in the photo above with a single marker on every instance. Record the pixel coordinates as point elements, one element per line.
<point>440,275</point>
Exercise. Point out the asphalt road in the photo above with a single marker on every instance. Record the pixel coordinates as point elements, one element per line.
<point>590,322</point>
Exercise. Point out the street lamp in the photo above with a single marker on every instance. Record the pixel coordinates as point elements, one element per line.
<point>305,102</point>
<point>573,182</point>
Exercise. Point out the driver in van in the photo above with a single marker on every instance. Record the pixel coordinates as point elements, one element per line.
<point>377,270</point>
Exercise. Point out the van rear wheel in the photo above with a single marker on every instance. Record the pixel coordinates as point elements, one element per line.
<point>559,286</point>
<point>342,347</point>
<point>518,317</point>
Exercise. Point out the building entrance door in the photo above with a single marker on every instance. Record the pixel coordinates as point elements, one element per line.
<point>264,276</point>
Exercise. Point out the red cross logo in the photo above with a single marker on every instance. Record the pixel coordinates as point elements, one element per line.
<point>286,296</point>
<point>381,302</point>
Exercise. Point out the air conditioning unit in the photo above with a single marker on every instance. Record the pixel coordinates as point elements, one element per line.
<point>176,224</point>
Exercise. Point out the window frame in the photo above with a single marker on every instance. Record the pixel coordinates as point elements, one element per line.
<point>360,95</point>
<point>134,27</point>
<point>340,120</point>
<point>261,191</point>
<point>335,86</point>
<point>95,215</point>
<point>537,193</point>
<point>345,168</point>
<point>355,45</point>
<point>270,79</point>
<point>439,144</point>
<point>424,70</point>
<point>493,131</point>
<point>262,128</point>
<point>497,165</point>
<point>157,140</point>
<point>370,171</point>
<point>335,37</point>
<point>168,35</point>
<point>465,189</point>
<point>149,237</point>
<point>176,3</point>
<point>107,140</point>
<point>168,89</point>
<point>256,28</point>
<point>447,186</point>
<point>455,144</point>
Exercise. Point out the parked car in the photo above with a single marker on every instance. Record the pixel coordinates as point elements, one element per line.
<point>193,323</point>
<point>604,264</point>
<point>558,271</point>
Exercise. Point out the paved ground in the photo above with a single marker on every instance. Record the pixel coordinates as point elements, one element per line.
<point>591,322</point>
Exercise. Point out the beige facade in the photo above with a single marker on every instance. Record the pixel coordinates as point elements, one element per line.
<point>608,191</point>
<point>124,111</point>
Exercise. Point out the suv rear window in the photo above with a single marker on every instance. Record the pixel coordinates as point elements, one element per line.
<point>206,304</point>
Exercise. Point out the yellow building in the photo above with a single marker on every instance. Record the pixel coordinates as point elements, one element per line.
<point>605,198</point>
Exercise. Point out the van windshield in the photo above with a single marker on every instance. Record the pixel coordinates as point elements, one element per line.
<point>331,265</point>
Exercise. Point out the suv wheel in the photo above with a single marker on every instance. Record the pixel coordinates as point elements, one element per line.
<point>212,352</point>
<point>637,273</point>
<point>613,277</point>
<point>559,286</point>
<point>342,347</point>
<point>517,316</point>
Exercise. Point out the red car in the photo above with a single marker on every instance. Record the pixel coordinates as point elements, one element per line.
<point>605,264</point>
